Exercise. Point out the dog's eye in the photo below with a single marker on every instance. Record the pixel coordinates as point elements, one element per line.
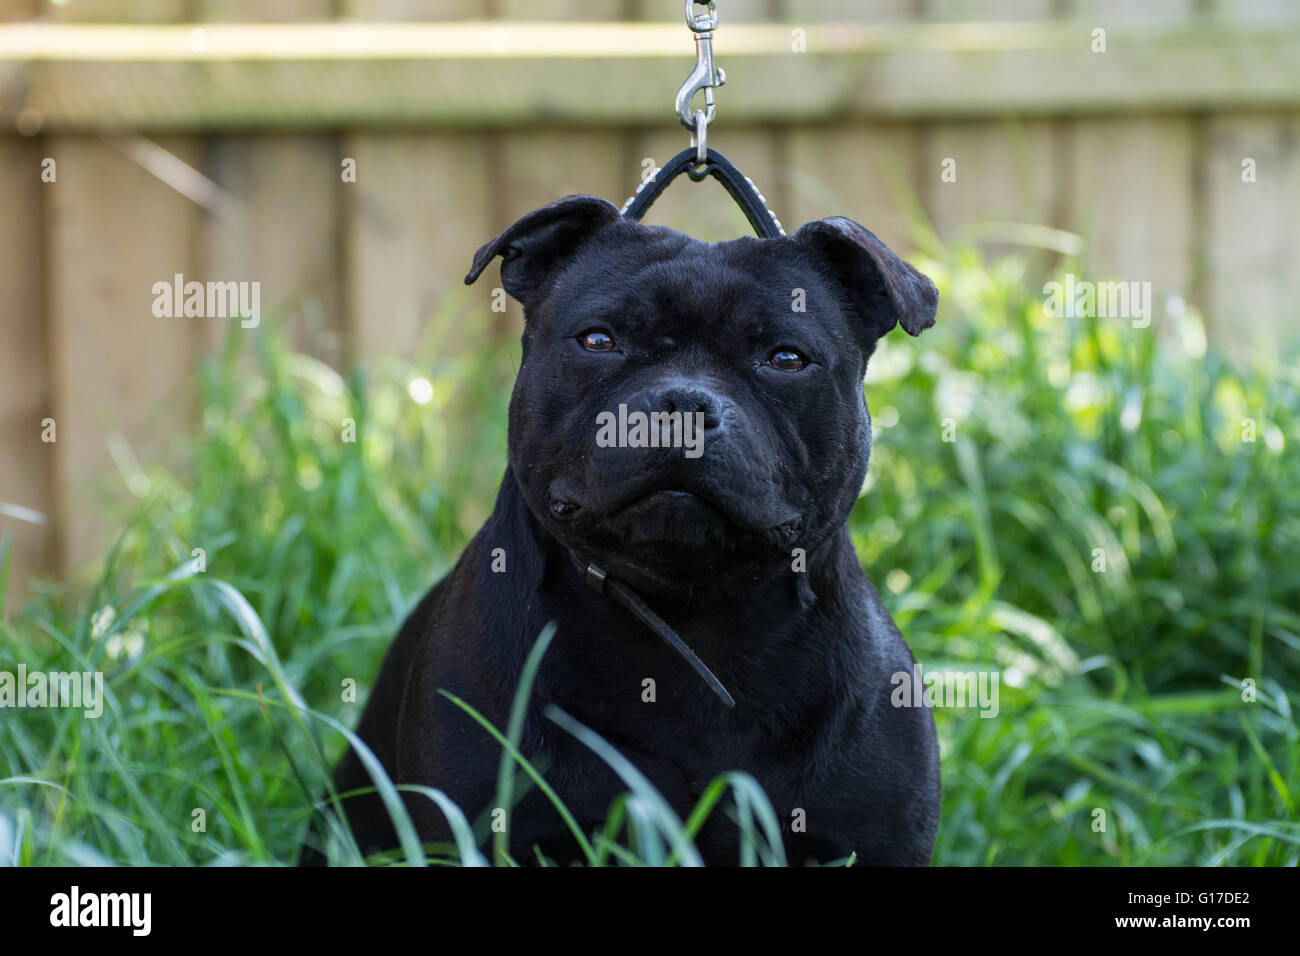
<point>596,340</point>
<point>787,360</point>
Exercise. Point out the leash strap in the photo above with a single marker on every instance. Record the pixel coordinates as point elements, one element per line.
<point>739,186</point>
<point>697,162</point>
<point>602,583</point>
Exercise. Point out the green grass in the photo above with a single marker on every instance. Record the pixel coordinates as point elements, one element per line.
<point>1121,688</point>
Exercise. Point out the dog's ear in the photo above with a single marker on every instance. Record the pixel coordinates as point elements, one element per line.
<point>883,288</point>
<point>535,245</point>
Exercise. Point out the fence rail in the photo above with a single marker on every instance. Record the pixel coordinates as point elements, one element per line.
<point>474,75</point>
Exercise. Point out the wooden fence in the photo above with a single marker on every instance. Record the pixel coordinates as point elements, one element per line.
<point>1175,150</point>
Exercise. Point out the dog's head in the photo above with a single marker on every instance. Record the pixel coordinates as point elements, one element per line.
<point>687,413</point>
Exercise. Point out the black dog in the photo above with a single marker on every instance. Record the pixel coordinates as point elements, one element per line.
<point>740,546</point>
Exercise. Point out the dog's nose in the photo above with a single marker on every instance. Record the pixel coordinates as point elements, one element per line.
<point>689,398</point>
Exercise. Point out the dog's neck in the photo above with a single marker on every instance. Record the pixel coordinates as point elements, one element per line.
<point>768,621</point>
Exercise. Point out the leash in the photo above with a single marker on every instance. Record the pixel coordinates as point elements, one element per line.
<point>698,161</point>
<point>739,186</point>
<point>602,583</point>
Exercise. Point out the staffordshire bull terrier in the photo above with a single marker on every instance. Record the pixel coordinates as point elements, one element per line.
<point>733,537</point>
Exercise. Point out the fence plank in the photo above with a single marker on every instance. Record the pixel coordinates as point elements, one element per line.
<point>986,10</point>
<point>1005,172</point>
<point>540,166</point>
<point>116,11</point>
<point>1263,10</point>
<point>284,231</point>
<point>115,230</point>
<point>260,11</point>
<point>414,196</point>
<point>864,171</point>
<point>419,208</point>
<point>17,9</point>
<point>1252,244</point>
<point>1132,177</point>
<point>413,10</point>
<point>1250,248</point>
<point>25,466</point>
<point>1108,13</point>
<point>866,11</point>
<point>1131,189</point>
<point>733,11</point>
<point>975,174</point>
<point>538,10</point>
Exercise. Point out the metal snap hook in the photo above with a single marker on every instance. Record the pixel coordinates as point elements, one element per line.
<point>705,76</point>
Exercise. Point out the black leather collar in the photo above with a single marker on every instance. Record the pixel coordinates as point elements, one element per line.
<point>737,184</point>
<point>602,583</point>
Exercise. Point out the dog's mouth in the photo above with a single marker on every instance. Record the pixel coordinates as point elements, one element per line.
<point>675,497</point>
<point>667,521</point>
<point>670,514</point>
<point>672,521</point>
<point>565,505</point>
<point>670,538</point>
